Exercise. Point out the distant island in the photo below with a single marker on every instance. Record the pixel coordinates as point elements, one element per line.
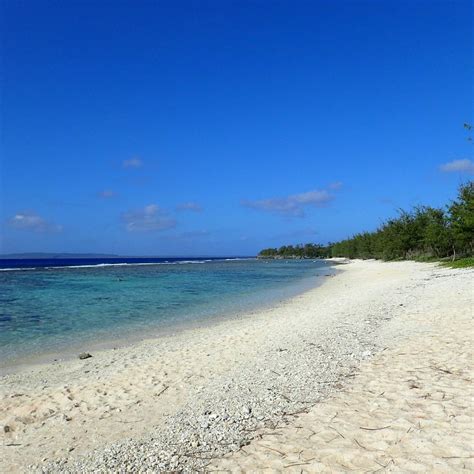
<point>45,255</point>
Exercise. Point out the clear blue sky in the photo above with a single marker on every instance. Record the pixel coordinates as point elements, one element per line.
<point>218,127</point>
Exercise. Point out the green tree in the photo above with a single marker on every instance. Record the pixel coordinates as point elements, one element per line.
<point>437,233</point>
<point>461,216</point>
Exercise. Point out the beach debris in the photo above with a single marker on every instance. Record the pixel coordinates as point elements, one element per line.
<point>374,429</point>
<point>6,429</point>
<point>84,355</point>
<point>166,387</point>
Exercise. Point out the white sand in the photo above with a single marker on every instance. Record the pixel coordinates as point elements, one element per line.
<point>410,409</point>
<point>302,347</point>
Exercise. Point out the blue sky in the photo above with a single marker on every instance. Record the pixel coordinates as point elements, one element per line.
<point>219,127</point>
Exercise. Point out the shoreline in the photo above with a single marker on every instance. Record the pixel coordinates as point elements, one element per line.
<point>155,332</point>
<point>209,389</point>
<point>408,409</point>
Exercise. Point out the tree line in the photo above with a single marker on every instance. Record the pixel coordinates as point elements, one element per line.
<point>423,232</point>
<point>296,251</point>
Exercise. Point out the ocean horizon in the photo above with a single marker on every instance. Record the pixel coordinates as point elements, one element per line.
<point>55,306</point>
<point>50,261</point>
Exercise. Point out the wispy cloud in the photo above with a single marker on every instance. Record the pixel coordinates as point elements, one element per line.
<point>336,185</point>
<point>294,205</point>
<point>386,200</point>
<point>107,194</point>
<point>132,163</point>
<point>150,218</point>
<point>189,206</point>
<point>32,222</point>
<point>458,166</point>
<point>196,234</point>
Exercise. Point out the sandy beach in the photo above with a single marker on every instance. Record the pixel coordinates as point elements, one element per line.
<point>370,371</point>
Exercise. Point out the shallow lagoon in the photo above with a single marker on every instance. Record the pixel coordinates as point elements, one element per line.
<point>46,310</point>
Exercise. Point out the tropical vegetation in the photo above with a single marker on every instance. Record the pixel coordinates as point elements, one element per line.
<point>422,233</point>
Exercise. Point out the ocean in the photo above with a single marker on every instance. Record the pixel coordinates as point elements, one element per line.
<point>61,305</point>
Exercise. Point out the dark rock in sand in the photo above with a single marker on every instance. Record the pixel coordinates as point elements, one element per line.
<point>84,355</point>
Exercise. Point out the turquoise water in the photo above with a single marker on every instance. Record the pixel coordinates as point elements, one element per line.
<point>49,310</point>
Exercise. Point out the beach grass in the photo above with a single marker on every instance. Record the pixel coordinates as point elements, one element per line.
<point>460,263</point>
<point>426,259</point>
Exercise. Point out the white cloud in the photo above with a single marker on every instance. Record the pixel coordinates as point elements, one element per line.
<point>150,218</point>
<point>107,194</point>
<point>31,221</point>
<point>293,205</point>
<point>459,166</point>
<point>189,206</point>
<point>132,163</point>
